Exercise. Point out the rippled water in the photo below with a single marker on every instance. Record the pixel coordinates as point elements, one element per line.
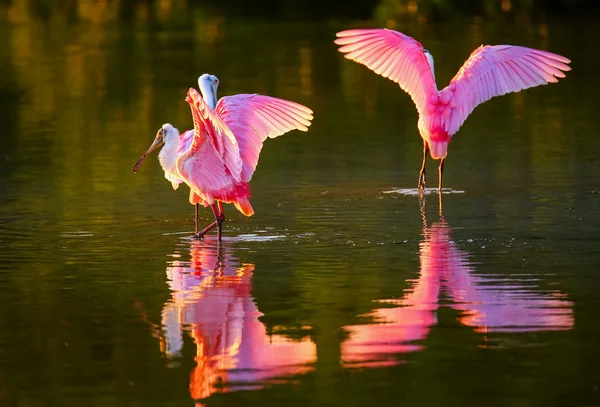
<point>345,288</point>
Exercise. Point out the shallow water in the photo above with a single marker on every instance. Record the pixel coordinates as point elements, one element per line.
<point>344,288</point>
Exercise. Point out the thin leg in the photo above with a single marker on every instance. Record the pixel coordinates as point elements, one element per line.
<point>440,171</point>
<point>440,206</point>
<point>220,217</point>
<point>197,220</point>
<point>421,184</point>
<point>207,229</point>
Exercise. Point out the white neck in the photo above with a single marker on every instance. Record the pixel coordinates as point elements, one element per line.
<point>168,154</point>
<point>210,97</point>
<point>430,60</point>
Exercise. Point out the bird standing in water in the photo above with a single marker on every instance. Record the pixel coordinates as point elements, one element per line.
<point>217,159</point>
<point>490,71</point>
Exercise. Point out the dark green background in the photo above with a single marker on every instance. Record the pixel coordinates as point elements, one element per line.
<point>84,242</point>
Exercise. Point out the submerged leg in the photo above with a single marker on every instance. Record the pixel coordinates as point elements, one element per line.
<point>196,220</point>
<point>421,184</point>
<point>422,208</point>
<point>207,229</point>
<point>440,206</point>
<point>220,217</point>
<point>440,171</point>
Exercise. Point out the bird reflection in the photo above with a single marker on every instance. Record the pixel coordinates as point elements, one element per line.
<point>211,301</point>
<point>447,278</point>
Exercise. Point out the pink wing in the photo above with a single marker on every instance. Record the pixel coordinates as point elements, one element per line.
<point>253,118</point>
<point>392,55</point>
<point>495,70</point>
<point>209,126</point>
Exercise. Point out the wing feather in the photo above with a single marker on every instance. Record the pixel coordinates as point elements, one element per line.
<point>209,126</point>
<point>254,118</point>
<point>496,70</point>
<point>293,114</point>
<point>392,55</point>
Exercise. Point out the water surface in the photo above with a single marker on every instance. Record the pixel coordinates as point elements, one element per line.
<point>344,288</point>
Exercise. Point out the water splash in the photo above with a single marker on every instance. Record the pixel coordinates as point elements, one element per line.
<point>426,191</point>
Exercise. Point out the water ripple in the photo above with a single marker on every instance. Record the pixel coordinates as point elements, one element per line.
<point>486,303</point>
<point>211,302</point>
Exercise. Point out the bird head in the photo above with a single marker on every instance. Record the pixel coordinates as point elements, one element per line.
<point>430,60</point>
<point>208,85</point>
<point>165,135</point>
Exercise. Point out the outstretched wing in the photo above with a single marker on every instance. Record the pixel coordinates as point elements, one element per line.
<point>495,70</point>
<point>392,55</point>
<point>209,127</point>
<point>253,118</point>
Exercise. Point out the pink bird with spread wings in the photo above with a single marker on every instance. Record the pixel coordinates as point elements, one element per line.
<point>490,71</point>
<point>217,159</point>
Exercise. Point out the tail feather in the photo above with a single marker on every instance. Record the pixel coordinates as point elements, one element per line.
<point>243,205</point>
<point>196,199</point>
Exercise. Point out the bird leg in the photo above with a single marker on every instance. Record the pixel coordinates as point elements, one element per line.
<point>220,217</point>
<point>441,212</point>
<point>440,171</point>
<point>200,235</point>
<point>196,220</point>
<point>421,184</point>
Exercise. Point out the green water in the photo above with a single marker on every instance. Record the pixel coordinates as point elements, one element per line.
<point>340,290</point>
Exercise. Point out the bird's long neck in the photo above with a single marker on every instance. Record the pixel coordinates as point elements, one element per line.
<point>168,154</point>
<point>209,94</point>
<point>430,60</point>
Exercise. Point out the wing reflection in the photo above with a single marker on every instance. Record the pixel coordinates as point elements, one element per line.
<point>491,303</point>
<point>486,303</point>
<point>211,301</point>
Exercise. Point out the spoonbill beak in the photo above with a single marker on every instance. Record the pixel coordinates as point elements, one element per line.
<point>158,141</point>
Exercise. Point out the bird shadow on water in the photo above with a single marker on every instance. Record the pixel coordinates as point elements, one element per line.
<point>211,302</point>
<point>488,304</point>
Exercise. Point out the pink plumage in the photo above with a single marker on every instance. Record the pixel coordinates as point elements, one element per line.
<point>211,302</point>
<point>254,118</point>
<point>217,159</point>
<point>447,278</point>
<point>228,141</point>
<point>212,166</point>
<point>489,71</point>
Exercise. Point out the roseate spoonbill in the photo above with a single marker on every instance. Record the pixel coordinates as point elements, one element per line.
<point>490,71</point>
<point>217,159</point>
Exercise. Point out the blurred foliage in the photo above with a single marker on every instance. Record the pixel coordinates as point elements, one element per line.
<point>73,10</point>
<point>85,84</point>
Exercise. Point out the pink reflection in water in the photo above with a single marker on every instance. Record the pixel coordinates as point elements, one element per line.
<point>496,303</point>
<point>487,304</point>
<point>211,301</point>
